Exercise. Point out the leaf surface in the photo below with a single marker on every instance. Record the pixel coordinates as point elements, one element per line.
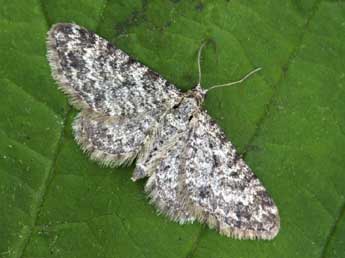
<point>288,121</point>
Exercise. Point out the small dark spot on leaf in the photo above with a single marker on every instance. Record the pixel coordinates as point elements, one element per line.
<point>135,18</point>
<point>167,24</point>
<point>252,147</point>
<point>199,7</point>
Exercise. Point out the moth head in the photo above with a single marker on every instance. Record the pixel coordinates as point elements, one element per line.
<point>198,93</point>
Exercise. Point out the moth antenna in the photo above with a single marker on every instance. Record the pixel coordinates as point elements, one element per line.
<point>199,61</point>
<point>235,82</point>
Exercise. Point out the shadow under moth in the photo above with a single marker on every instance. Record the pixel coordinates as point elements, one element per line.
<point>129,112</point>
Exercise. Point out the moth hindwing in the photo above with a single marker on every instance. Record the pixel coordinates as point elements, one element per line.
<point>128,112</point>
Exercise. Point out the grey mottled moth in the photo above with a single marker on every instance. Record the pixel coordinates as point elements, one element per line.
<point>129,112</point>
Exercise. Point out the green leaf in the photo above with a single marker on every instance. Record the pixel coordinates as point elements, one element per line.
<point>288,121</point>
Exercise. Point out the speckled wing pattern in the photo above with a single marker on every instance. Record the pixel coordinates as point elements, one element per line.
<point>224,191</point>
<point>112,142</point>
<point>129,112</point>
<point>164,161</point>
<point>120,99</point>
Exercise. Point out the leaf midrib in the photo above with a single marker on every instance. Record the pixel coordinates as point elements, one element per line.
<point>333,230</point>
<point>41,193</point>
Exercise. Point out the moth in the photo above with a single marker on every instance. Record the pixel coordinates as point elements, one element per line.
<point>129,112</point>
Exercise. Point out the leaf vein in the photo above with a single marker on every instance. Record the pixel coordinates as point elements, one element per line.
<point>285,69</point>
<point>43,189</point>
<point>332,231</point>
